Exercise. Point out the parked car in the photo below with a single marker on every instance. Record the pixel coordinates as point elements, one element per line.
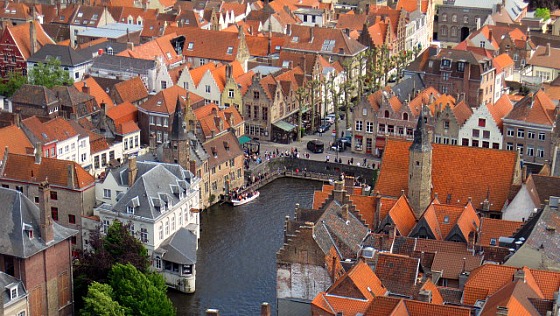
<point>331,118</point>
<point>338,146</point>
<point>316,146</point>
<point>323,128</point>
<point>346,141</point>
<point>326,121</point>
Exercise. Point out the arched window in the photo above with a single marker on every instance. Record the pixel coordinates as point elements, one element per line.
<point>444,30</point>
<point>444,17</point>
<point>453,31</point>
<point>405,116</point>
<point>157,262</point>
<point>454,18</point>
<point>386,113</point>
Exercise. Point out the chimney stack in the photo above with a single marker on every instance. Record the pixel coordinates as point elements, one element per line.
<point>17,118</point>
<point>547,50</point>
<point>32,35</point>
<point>38,153</point>
<point>45,219</point>
<point>345,215</point>
<point>85,88</point>
<point>311,35</point>
<point>228,71</point>
<point>71,176</point>
<point>265,309</point>
<point>132,171</point>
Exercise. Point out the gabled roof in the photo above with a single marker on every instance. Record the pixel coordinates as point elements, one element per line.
<point>180,247</point>
<point>500,109</point>
<point>352,292</point>
<point>223,148</point>
<point>158,47</point>
<point>125,117</point>
<point>451,265</point>
<point>259,45</point>
<point>20,35</point>
<point>462,112</point>
<point>515,296</point>
<point>198,72</point>
<point>449,179</point>
<point>390,306</point>
<point>20,213</point>
<point>209,44</point>
<point>54,130</point>
<point>412,5</point>
<point>398,273</point>
<point>14,139</point>
<point>324,41</point>
<point>165,101</point>
<point>489,278</point>
<point>502,61</point>
<point>402,215</point>
<point>543,187</point>
<point>23,168</point>
<point>67,56</point>
<point>118,63</point>
<point>219,73</point>
<point>494,229</point>
<point>132,90</point>
<point>546,57</point>
<point>351,21</point>
<point>536,108</point>
<point>210,115</point>
<point>95,91</point>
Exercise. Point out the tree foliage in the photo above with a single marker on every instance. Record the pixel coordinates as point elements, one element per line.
<point>99,302</point>
<point>49,74</point>
<point>12,83</point>
<point>140,293</point>
<point>118,246</point>
<point>543,13</point>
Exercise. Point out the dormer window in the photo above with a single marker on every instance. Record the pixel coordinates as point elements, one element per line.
<point>295,39</point>
<point>445,63</point>
<point>461,66</point>
<point>28,229</point>
<point>13,289</point>
<point>446,219</point>
<point>130,209</point>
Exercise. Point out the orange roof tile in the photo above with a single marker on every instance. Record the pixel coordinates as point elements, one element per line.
<point>132,90</point>
<point>452,172</point>
<point>423,98</point>
<point>95,90</point>
<point>20,34</point>
<point>209,44</point>
<point>500,109</point>
<point>14,139</point>
<point>158,47</point>
<point>165,101</point>
<point>403,216</point>
<point>23,168</point>
<point>436,295</point>
<point>412,5</point>
<point>462,112</point>
<point>210,115</point>
<point>494,229</point>
<point>198,73</point>
<point>219,73</point>
<point>535,108</point>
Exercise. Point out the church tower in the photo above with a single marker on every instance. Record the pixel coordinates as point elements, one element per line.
<point>178,149</point>
<point>420,168</point>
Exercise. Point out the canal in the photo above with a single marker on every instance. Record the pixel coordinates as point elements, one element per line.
<point>236,264</point>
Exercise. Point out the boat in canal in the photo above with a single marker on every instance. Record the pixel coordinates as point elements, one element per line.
<point>250,197</point>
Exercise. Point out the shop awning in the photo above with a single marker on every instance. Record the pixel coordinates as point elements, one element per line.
<point>244,139</point>
<point>285,126</point>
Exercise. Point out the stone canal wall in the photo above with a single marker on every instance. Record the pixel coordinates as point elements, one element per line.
<point>367,175</point>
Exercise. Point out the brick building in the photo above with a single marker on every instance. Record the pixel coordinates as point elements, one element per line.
<point>37,250</point>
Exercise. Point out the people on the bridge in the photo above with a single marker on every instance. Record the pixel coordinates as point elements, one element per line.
<point>328,158</point>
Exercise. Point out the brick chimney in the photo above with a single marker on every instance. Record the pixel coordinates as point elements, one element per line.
<point>425,296</point>
<point>228,71</point>
<point>85,88</point>
<point>71,176</point>
<point>547,50</point>
<point>132,171</point>
<point>38,153</point>
<point>265,309</point>
<point>339,191</point>
<point>45,220</point>
<point>344,212</point>
<point>32,36</point>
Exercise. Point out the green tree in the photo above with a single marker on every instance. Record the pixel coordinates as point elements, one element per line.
<point>99,302</point>
<point>140,293</point>
<point>301,96</point>
<point>12,83</point>
<point>543,13</point>
<point>49,74</point>
<point>119,246</point>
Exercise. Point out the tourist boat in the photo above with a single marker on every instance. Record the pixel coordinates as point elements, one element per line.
<point>237,202</point>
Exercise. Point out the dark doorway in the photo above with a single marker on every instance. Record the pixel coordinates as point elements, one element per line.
<point>464,33</point>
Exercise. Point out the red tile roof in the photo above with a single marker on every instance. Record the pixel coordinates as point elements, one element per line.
<point>20,34</point>
<point>95,90</point>
<point>209,44</point>
<point>23,168</point>
<point>14,139</point>
<point>545,57</point>
<point>210,115</point>
<point>403,216</point>
<point>165,101</point>
<point>132,90</point>
<point>158,47</point>
<point>452,172</point>
<point>535,108</point>
<point>390,306</point>
<point>500,109</point>
<point>494,229</point>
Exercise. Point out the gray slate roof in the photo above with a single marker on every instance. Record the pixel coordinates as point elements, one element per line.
<point>121,63</point>
<point>16,210</point>
<point>5,280</point>
<point>405,89</point>
<point>66,54</point>
<point>121,173</point>
<point>150,193</point>
<point>180,247</point>
<point>332,230</point>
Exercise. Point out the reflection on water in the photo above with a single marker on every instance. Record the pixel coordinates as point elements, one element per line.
<point>236,265</point>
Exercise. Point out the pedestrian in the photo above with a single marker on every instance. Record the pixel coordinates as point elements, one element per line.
<point>352,160</point>
<point>328,158</point>
<point>365,162</point>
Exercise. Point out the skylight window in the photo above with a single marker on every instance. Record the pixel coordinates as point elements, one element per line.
<point>80,14</point>
<point>328,45</point>
<point>168,55</point>
<point>295,39</point>
<point>94,17</point>
<point>190,46</point>
<point>229,50</point>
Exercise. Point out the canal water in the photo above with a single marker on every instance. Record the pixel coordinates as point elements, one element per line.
<point>236,264</point>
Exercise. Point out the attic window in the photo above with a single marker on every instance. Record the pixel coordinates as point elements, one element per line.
<point>446,219</point>
<point>190,46</point>
<point>295,39</point>
<point>328,45</point>
<point>229,50</point>
<point>28,230</point>
<point>94,17</point>
<point>277,47</point>
<point>461,66</point>
<point>492,241</point>
<point>445,63</point>
<point>168,55</point>
<point>13,291</point>
<point>80,14</point>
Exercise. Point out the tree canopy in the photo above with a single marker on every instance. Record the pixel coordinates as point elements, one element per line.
<point>12,83</point>
<point>543,13</point>
<point>118,246</point>
<point>49,74</point>
<point>128,292</point>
